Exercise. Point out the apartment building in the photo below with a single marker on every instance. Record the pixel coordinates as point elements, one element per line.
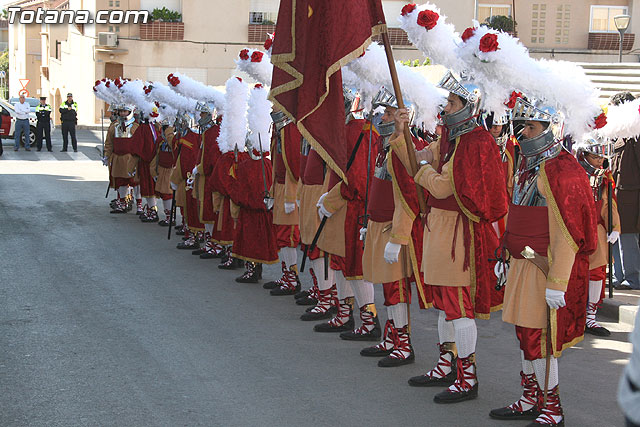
<point>203,43</point>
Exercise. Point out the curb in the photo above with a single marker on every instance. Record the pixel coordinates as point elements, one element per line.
<point>618,311</point>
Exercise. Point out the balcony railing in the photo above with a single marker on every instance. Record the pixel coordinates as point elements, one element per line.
<point>258,34</point>
<point>610,41</point>
<point>158,30</point>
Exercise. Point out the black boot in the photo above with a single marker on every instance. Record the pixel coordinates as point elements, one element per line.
<point>253,273</point>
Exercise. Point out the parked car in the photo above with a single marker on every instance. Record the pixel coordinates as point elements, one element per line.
<point>8,124</point>
<point>33,102</point>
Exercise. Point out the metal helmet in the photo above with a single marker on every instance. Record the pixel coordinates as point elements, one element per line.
<point>596,145</point>
<point>279,119</point>
<point>349,100</point>
<point>466,119</point>
<point>549,143</point>
<point>384,98</point>
<point>491,119</point>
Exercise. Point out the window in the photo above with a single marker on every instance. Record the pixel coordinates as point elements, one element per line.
<point>110,3</point>
<point>486,11</point>
<point>117,3</point>
<point>602,18</point>
<point>117,28</point>
<point>538,22</point>
<point>111,28</point>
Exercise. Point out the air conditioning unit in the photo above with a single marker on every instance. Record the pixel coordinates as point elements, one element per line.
<point>107,39</point>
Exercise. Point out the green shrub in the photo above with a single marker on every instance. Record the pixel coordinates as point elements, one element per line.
<point>165,15</point>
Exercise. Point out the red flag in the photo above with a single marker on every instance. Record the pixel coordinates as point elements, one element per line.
<point>314,39</point>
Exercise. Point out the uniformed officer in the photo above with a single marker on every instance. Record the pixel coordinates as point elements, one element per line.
<point>43,114</point>
<point>69,118</point>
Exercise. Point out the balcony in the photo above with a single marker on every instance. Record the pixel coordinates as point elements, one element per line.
<point>159,30</point>
<point>258,34</point>
<point>610,41</point>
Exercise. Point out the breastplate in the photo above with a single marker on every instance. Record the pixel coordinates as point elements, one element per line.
<point>525,189</point>
<point>305,147</point>
<point>382,171</point>
<point>123,132</point>
<point>596,181</point>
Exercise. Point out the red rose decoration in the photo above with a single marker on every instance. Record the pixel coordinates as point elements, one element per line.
<point>513,98</point>
<point>97,83</point>
<point>489,43</point>
<point>256,56</point>
<point>428,19</point>
<point>258,86</point>
<point>244,54</point>
<point>154,114</point>
<point>268,43</point>
<point>468,33</point>
<point>600,121</point>
<point>108,84</point>
<point>94,89</point>
<point>239,79</point>
<point>407,9</point>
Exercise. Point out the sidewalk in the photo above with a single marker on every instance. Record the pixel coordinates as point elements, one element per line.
<point>622,308</point>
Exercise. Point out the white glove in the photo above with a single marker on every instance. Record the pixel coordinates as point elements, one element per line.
<point>322,211</point>
<point>363,232</point>
<point>391,252</point>
<point>613,237</point>
<point>174,187</point>
<point>105,161</point>
<point>155,179</point>
<point>321,199</point>
<point>298,203</point>
<point>555,299</point>
<point>289,207</point>
<point>194,172</point>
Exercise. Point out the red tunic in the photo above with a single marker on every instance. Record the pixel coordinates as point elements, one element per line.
<point>188,158</point>
<point>210,153</point>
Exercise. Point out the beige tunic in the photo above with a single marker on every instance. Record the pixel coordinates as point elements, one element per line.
<point>524,296</point>
<point>601,256</point>
<point>309,219</point>
<point>162,175</point>
<point>285,193</point>
<point>122,166</point>
<point>332,239</point>
<point>440,268</point>
<point>397,231</point>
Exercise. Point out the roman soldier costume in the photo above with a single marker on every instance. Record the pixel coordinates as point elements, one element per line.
<point>161,169</point>
<point>119,145</point>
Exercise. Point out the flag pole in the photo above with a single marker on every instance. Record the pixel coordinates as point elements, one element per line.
<point>407,133</point>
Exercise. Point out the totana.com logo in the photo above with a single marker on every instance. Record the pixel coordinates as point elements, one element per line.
<point>53,16</point>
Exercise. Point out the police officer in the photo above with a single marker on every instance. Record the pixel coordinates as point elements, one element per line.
<point>43,114</point>
<point>69,118</point>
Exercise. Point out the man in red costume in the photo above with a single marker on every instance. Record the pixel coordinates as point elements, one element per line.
<point>394,234</point>
<point>118,150</point>
<point>344,205</point>
<point>146,152</point>
<point>462,172</point>
<point>161,169</point>
<point>551,231</point>
<point>285,153</point>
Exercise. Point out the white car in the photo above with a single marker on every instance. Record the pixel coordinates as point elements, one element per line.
<point>8,117</point>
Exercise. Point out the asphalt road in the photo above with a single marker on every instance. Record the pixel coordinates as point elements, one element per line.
<point>104,323</point>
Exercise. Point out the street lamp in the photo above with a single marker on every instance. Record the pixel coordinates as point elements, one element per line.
<point>622,23</point>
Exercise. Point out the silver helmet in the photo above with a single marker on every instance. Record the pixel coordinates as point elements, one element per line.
<point>206,121</point>
<point>593,144</point>
<point>349,100</point>
<point>466,119</point>
<point>491,119</point>
<point>549,143</point>
<point>279,119</point>
<point>384,98</point>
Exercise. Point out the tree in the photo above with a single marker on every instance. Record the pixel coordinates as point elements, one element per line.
<point>502,23</point>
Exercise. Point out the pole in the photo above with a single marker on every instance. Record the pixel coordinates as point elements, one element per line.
<point>407,134</point>
<point>610,229</point>
<point>172,215</point>
<point>621,34</point>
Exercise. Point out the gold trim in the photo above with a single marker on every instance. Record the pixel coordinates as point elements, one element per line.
<point>554,208</point>
<point>354,278</point>
<point>472,217</point>
<point>473,279</point>
<point>463,312</point>
<point>401,289</point>
<point>557,281</point>
<point>258,261</point>
<point>543,342</point>
<point>396,187</point>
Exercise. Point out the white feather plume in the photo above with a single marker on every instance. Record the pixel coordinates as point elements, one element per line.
<point>133,92</point>
<point>259,117</point>
<point>233,129</point>
<point>261,71</point>
<point>101,92</point>
<point>560,84</point>
<point>163,94</point>
<point>623,121</point>
<point>440,43</point>
<point>194,89</point>
<point>426,98</point>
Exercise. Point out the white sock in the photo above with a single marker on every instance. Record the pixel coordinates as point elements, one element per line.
<point>150,201</point>
<point>343,285</point>
<point>290,257</point>
<point>363,292</point>
<point>527,365</point>
<point>318,268</point>
<point>400,314</point>
<point>166,204</point>
<point>595,290</point>
<point>539,365</point>
<point>446,331</point>
<point>122,191</point>
<point>208,228</point>
<point>136,192</point>
<point>466,336</point>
